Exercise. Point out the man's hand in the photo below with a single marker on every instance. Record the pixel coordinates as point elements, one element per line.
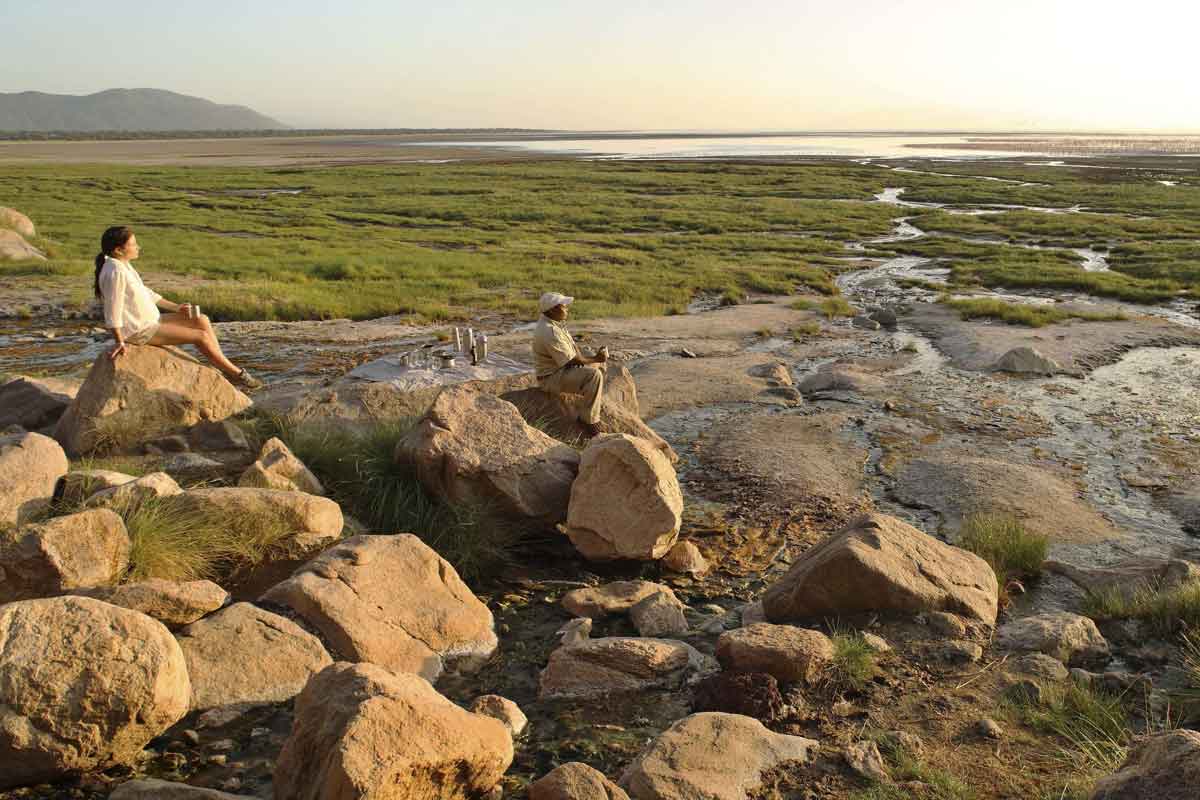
<point>117,351</point>
<point>601,355</point>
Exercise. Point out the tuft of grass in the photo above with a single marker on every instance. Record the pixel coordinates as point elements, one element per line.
<point>1095,726</point>
<point>837,307</point>
<point>1006,545</point>
<point>764,333</point>
<point>1020,313</point>
<point>905,767</point>
<point>799,332</point>
<point>170,542</point>
<point>358,468</point>
<point>1188,695</point>
<point>1166,611</point>
<point>854,662</point>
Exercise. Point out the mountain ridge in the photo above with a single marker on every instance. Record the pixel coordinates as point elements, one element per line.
<point>125,110</point>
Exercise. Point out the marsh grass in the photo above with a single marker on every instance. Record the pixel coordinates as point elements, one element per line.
<point>1012,551</point>
<point>1187,696</point>
<point>1165,611</point>
<point>1021,313</point>
<point>358,468</point>
<point>803,330</point>
<point>1095,727</point>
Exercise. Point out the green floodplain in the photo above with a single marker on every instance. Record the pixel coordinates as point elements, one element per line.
<point>441,241</point>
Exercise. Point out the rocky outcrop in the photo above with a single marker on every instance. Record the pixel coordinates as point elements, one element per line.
<point>434,749</point>
<point>172,603</point>
<point>575,781</point>
<point>712,756</point>
<point>148,392</point>
<point>1026,361</point>
<point>133,493</point>
<point>788,653</point>
<point>90,548</point>
<point>503,709</point>
<point>245,655</point>
<point>1162,767</point>
<point>154,789</point>
<point>83,685</point>
<point>13,247</point>
<point>1130,576</point>
<point>626,502</point>
<point>614,665</point>
<point>475,449</point>
<point>14,220</point>
<point>618,413</point>
<point>304,521</point>
<point>880,563</point>
<point>609,598</point>
<point>34,403</point>
<point>1072,639</point>
<point>837,378</point>
<point>278,468</point>
<point>392,601</point>
<point>30,466</point>
<point>686,559</point>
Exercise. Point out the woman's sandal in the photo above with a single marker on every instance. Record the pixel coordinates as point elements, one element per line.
<point>248,381</point>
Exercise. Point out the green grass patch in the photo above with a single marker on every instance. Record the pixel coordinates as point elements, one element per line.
<point>1094,727</point>
<point>854,662</point>
<point>906,767</point>
<point>1165,611</point>
<point>804,330</point>
<point>358,468</point>
<point>1188,695</point>
<point>1033,316</point>
<point>1011,550</point>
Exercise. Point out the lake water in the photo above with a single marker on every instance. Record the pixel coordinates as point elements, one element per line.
<point>634,145</point>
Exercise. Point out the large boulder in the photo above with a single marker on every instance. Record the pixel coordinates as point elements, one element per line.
<point>1162,767</point>
<point>880,563</point>
<point>619,413</point>
<point>13,247</point>
<point>90,548</point>
<point>616,597</point>
<point>788,653</point>
<point>361,731</point>
<point>14,220</point>
<point>34,403</point>
<point>712,756</point>
<point>1071,638</point>
<point>278,468</point>
<point>392,601</point>
<point>575,781</point>
<point>475,449</point>
<point>30,466</point>
<point>172,603</point>
<point>243,655</point>
<point>619,664</point>
<point>145,394</point>
<point>626,502</point>
<point>83,685</point>
<point>301,522</point>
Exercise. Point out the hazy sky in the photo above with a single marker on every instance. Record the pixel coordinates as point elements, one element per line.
<point>794,64</point>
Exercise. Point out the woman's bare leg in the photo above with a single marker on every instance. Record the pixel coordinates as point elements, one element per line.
<point>179,329</point>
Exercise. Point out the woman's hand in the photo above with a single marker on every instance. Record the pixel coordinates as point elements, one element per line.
<point>185,309</point>
<point>117,351</point>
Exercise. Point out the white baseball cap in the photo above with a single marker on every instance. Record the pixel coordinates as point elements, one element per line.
<point>551,299</point>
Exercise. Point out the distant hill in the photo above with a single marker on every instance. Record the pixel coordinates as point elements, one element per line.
<point>125,110</point>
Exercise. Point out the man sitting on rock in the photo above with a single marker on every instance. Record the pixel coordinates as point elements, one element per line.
<point>561,368</point>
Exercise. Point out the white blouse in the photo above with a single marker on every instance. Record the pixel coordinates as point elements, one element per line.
<point>129,305</point>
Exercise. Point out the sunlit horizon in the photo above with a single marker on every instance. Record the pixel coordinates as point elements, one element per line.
<point>867,66</point>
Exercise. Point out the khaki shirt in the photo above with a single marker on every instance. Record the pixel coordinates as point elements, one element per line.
<point>553,347</point>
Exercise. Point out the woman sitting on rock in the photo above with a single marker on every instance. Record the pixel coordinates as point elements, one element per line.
<point>131,310</point>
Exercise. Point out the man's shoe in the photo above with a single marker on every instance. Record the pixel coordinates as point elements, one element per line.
<point>591,429</point>
<point>247,381</point>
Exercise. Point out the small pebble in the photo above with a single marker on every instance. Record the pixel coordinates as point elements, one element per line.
<point>192,736</point>
<point>989,728</point>
<point>218,760</point>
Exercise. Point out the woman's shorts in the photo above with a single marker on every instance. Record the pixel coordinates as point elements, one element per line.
<point>143,336</point>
